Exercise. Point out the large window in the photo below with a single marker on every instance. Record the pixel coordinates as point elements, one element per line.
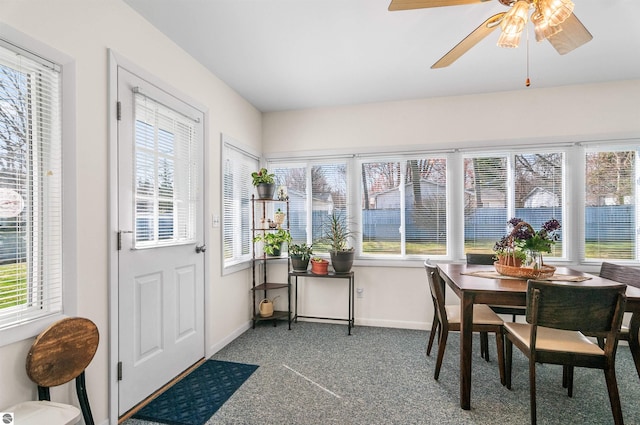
<point>316,190</point>
<point>31,274</point>
<point>526,185</point>
<point>610,204</point>
<point>443,205</point>
<point>237,188</point>
<point>404,207</point>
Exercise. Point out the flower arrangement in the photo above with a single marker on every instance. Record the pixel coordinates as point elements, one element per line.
<point>262,176</point>
<point>523,243</point>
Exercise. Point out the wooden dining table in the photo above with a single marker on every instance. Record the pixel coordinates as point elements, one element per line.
<point>473,289</point>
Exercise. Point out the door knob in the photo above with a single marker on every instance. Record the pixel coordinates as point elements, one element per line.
<point>200,248</point>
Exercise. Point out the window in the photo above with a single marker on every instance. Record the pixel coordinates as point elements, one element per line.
<point>310,209</point>
<point>165,202</point>
<point>529,186</point>
<point>610,204</point>
<point>237,188</point>
<point>404,207</point>
<point>408,205</point>
<point>31,237</point>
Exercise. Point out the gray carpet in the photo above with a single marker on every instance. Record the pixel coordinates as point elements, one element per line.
<point>316,374</point>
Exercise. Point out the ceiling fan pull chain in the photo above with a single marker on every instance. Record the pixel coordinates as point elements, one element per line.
<point>528,81</point>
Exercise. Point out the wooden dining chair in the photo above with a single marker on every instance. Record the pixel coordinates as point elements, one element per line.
<point>447,318</point>
<point>59,355</point>
<point>630,276</point>
<point>488,260</point>
<point>557,316</point>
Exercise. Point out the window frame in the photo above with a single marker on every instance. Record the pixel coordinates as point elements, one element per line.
<point>573,181</point>
<point>13,39</point>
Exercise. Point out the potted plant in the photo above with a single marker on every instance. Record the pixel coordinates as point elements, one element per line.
<point>278,217</point>
<point>319,265</point>
<point>300,255</point>
<point>336,234</point>
<point>520,251</point>
<point>272,241</point>
<point>265,183</point>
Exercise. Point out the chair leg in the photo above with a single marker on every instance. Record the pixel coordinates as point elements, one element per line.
<point>614,396</point>
<point>432,334</point>
<point>508,357</point>
<point>81,389</point>
<point>44,393</point>
<point>500,349</point>
<point>484,345</point>
<point>532,390</point>
<point>442,343</point>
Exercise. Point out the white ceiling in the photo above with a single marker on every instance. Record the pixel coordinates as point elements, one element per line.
<point>295,54</point>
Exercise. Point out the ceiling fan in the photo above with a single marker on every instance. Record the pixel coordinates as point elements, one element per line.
<point>553,20</point>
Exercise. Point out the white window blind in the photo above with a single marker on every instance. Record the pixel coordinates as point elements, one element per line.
<point>610,204</point>
<point>237,189</point>
<point>166,201</point>
<point>30,187</point>
<point>485,201</point>
<point>294,178</point>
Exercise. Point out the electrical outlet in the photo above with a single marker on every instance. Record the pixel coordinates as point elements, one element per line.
<point>360,292</point>
<point>215,220</point>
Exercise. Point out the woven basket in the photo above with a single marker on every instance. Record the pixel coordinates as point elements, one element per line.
<point>525,272</point>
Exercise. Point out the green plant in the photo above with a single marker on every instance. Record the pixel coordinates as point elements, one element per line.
<point>319,260</point>
<point>273,240</point>
<point>335,233</point>
<point>302,250</point>
<point>262,176</point>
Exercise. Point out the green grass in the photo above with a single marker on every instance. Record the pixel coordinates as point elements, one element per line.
<point>13,284</point>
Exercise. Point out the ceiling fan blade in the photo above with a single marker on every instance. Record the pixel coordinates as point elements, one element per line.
<point>572,36</point>
<point>471,40</point>
<point>420,4</point>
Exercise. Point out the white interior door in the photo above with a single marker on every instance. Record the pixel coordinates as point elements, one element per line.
<point>161,255</point>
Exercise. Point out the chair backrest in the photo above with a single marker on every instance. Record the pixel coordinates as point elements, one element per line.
<point>62,351</point>
<point>436,287</point>
<point>482,259</point>
<point>590,309</point>
<point>619,273</point>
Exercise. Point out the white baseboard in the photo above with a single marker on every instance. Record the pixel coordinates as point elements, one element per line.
<point>228,339</point>
<point>421,326</point>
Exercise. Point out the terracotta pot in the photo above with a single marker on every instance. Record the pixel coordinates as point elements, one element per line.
<point>319,267</point>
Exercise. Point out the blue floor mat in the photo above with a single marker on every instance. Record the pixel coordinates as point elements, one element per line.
<point>196,397</point>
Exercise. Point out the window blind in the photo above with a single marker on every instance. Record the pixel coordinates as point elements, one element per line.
<point>610,204</point>
<point>165,175</point>
<point>30,187</point>
<point>485,201</point>
<point>237,189</point>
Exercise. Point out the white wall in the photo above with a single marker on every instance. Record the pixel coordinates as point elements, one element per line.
<point>85,30</point>
<point>398,296</point>
<point>571,113</point>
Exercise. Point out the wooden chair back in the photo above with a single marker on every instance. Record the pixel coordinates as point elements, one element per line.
<point>60,354</point>
<point>619,273</point>
<point>589,309</point>
<point>436,287</point>
<point>481,259</point>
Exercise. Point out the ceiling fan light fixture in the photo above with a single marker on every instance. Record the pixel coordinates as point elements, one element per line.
<point>509,41</point>
<point>555,11</point>
<point>516,18</point>
<point>542,28</point>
